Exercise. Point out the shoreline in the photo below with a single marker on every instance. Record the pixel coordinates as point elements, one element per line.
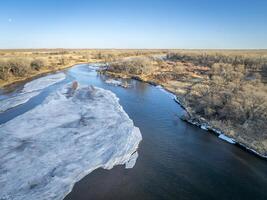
<point>187,117</point>
<point>195,120</point>
<point>4,84</point>
<point>46,70</point>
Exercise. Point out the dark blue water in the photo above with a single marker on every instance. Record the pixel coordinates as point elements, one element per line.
<point>176,160</point>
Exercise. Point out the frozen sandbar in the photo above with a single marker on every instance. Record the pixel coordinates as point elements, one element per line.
<point>49,148</point>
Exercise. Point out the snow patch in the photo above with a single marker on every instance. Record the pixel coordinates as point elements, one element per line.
<point>226,138</point>
<point>113,82</point>
<point>97,66</point>
<point>47,149</point>
<point>117,83</point>
<point>204,127</point>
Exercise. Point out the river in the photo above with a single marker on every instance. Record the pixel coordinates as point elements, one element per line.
<point>176,160</point>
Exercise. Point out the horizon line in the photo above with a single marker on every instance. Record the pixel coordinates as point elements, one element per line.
<point>61,48</point>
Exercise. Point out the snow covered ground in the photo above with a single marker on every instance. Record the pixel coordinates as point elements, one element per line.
<point>47,149</point>
<point>30,90</point>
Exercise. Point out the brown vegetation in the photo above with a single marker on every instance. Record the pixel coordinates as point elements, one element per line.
<point>16,65</point>
<point>137,66</point>
<point>227,89</point>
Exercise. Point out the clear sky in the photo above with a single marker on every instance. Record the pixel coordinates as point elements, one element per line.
<point>133,24</point>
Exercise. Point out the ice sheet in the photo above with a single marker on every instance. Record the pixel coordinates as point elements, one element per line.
<point>30,90</point>
<point>132,161</point>
<point>49,148</point>
<point>41,83</point>
<point>22,98</point>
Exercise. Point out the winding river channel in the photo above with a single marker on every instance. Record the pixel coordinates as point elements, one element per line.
<point>176,160</point>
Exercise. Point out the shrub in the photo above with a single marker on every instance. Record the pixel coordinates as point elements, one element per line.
<point>18,67</point>
<point>62,61</point>
<point>136,66</point>
<point>37,64</point>
<point>3,70</point>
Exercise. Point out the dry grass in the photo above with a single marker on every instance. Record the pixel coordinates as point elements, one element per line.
<point>226,88</point>
<point>16,65</point>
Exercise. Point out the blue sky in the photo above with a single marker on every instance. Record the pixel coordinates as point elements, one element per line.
<point>133,24</point>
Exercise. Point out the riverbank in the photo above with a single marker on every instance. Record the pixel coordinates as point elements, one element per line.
<point>229,97</point>
<point>44,71</point>
<point>162,73</point>
<point>20,65</point>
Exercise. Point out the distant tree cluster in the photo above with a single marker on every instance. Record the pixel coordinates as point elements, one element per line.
<point>135,66</point>
<point>255,63</point>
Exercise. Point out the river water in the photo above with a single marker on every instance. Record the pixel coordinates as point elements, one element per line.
<point>176,160</point>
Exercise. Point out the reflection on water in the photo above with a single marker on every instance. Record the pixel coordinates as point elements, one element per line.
<point>176,160</point>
